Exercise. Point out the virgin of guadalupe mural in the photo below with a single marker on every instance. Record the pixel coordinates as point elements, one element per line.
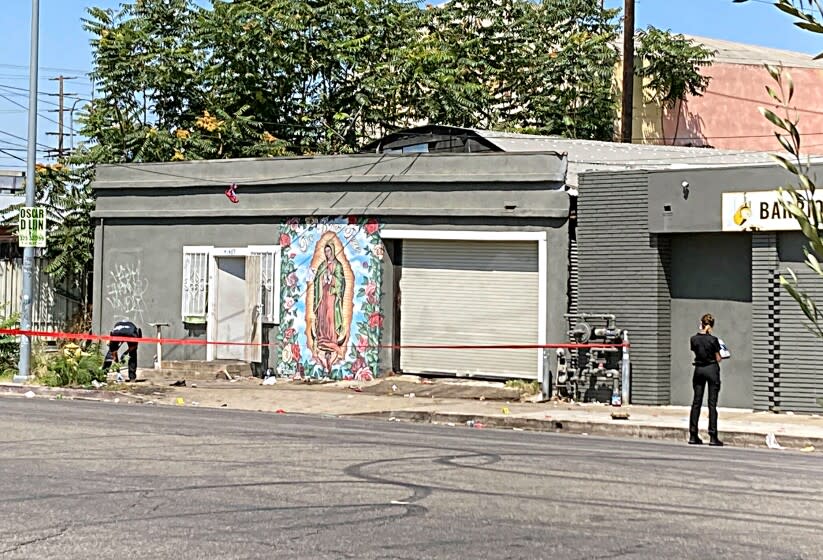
<point>329,302</point>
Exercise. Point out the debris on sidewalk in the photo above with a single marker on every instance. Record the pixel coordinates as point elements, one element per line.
<point>620,415</point>
<point>771,442</point>
<point>357,389</point>
<point>808,448</point>
<point>280,411</point>
<point>29,394</point>
<point>96,384</point>
<point>505,410</point>
<point>179,401</point>
<point>178,383</point>
<point>270,381</point>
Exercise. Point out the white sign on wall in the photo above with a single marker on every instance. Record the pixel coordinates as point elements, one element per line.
<point>761,211</point>
<point>31,226</point>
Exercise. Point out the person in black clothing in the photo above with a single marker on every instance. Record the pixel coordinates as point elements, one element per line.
<point>124,329</point>
<point>707,358</point>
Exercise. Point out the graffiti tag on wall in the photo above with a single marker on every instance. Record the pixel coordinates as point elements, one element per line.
<point>331,273</point>
<point>125,291</point>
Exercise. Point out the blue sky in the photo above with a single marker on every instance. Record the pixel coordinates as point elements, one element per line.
<point>64,49</point>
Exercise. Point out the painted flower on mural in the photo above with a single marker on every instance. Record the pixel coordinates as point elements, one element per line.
<point>288,303</point>
<point>362,344</point>
<point>371,292</point>
<point>295,351</point>
<point>378,251</point>
<point>288,334</point>
<point>291,280</point>
<point>287,355</point>
<point>285,241</point>
<point>371,226</point>
<point>293,224</point>
<point>376,320</point>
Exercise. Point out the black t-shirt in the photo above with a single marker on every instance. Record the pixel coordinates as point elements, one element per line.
<point>705,348</point>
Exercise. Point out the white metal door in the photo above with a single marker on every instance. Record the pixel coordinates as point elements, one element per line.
<point>469,293</point>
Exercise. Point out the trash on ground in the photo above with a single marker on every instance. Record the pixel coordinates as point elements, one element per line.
<point>119,378</point>
<point>392,419</point>
<point>116,401</point>
<point>450,424</point>
<point>517,429</point>
<point>410,395</point>
<point>357,389</point>
<point>426,381</point>
<point>195,403</point>
<point>482,398</point>
<point>29,394</point>
<point>479,425</point>
<point>96,384</point>
<point>280,411</point>
<point>224,405</point>
<point>399,503</point>
<point>620,415</point>
<point>771,442</point>
<point>179,383</point>
<point>180,401</point>
<point>808,448</point>
<point>270,381</point>
<point>194,385</point>
<point>505,410</point>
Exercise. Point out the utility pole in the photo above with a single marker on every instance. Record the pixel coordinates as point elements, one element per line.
<point>628,73</point>
<point>31,173</point>
<point>61,95</point>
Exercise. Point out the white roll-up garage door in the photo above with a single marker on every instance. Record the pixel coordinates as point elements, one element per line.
<point>469,292</point>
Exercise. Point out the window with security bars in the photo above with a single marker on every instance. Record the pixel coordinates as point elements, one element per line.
<point>269,280</point>
<point>195,283</point>
<point>196,263</point>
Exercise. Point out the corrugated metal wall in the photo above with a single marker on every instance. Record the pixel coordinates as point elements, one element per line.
<point>623,271</point>
<point>55,303</point>
<point>798,379</point>
<point>765,343</point>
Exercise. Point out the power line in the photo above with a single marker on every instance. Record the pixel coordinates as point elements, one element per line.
<point>42,116</point>
<point>22,138</point>
<point>49,68</point>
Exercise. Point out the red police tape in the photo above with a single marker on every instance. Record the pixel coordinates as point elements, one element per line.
<point>200,342</point>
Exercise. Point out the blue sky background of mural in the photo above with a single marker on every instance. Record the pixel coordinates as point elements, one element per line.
<point>363,250</point>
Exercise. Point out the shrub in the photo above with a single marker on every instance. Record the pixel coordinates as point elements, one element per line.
<point>74,366</point>
<point>9,346</point>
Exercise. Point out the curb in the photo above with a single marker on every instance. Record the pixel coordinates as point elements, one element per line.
<point>64,392</point>
<point>734,439</point>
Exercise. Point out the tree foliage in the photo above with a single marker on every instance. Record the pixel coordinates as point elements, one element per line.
<point>257,78</point>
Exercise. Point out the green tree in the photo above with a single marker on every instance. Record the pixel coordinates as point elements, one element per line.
<point>671,67</point>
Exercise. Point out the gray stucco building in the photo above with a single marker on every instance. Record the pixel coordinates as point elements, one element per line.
<point>318,250</point>
<point>471,237</point>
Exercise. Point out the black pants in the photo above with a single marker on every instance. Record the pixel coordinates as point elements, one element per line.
<point>705,375</point>
<point>111,355</point>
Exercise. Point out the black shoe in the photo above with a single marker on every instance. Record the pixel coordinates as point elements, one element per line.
<point>694,440</point>
<point>715,442</point>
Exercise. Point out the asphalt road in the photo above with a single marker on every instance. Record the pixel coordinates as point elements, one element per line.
<point>96,481</point>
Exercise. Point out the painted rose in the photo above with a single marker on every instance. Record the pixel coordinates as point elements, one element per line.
<point>293,224</point>
<point>352,220</point>
<point>295,351</point>
<point>286,354</point>
<point>379,251</point>
<point>362,344</point>
<point>371,292</point>
<point>291,280</point>
<point>375,320</point>
<point>288,302</point>
<point>292,255</point>
<point>285,240</point>
<point>348,377</point>
<point>363,374</point>
<point>371,226</point>
<point>358,364</point>
<point>288,334</point>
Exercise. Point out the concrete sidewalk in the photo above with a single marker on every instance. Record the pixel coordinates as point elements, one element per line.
<point>399,399</point>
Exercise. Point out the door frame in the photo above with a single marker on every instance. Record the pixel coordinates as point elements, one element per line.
<point>211,315</point>
<point>540,237</point>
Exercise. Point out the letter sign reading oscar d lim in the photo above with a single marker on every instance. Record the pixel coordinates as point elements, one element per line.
<point>762,211</point>
<point>31,231</point>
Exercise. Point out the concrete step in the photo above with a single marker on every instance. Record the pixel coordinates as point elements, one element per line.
<point>194,370</point>
<point>215,366</point>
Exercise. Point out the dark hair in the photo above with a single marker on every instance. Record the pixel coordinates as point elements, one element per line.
<point>707,320</point>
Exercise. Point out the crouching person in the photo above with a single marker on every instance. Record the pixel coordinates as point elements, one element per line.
<point>124,329</point>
